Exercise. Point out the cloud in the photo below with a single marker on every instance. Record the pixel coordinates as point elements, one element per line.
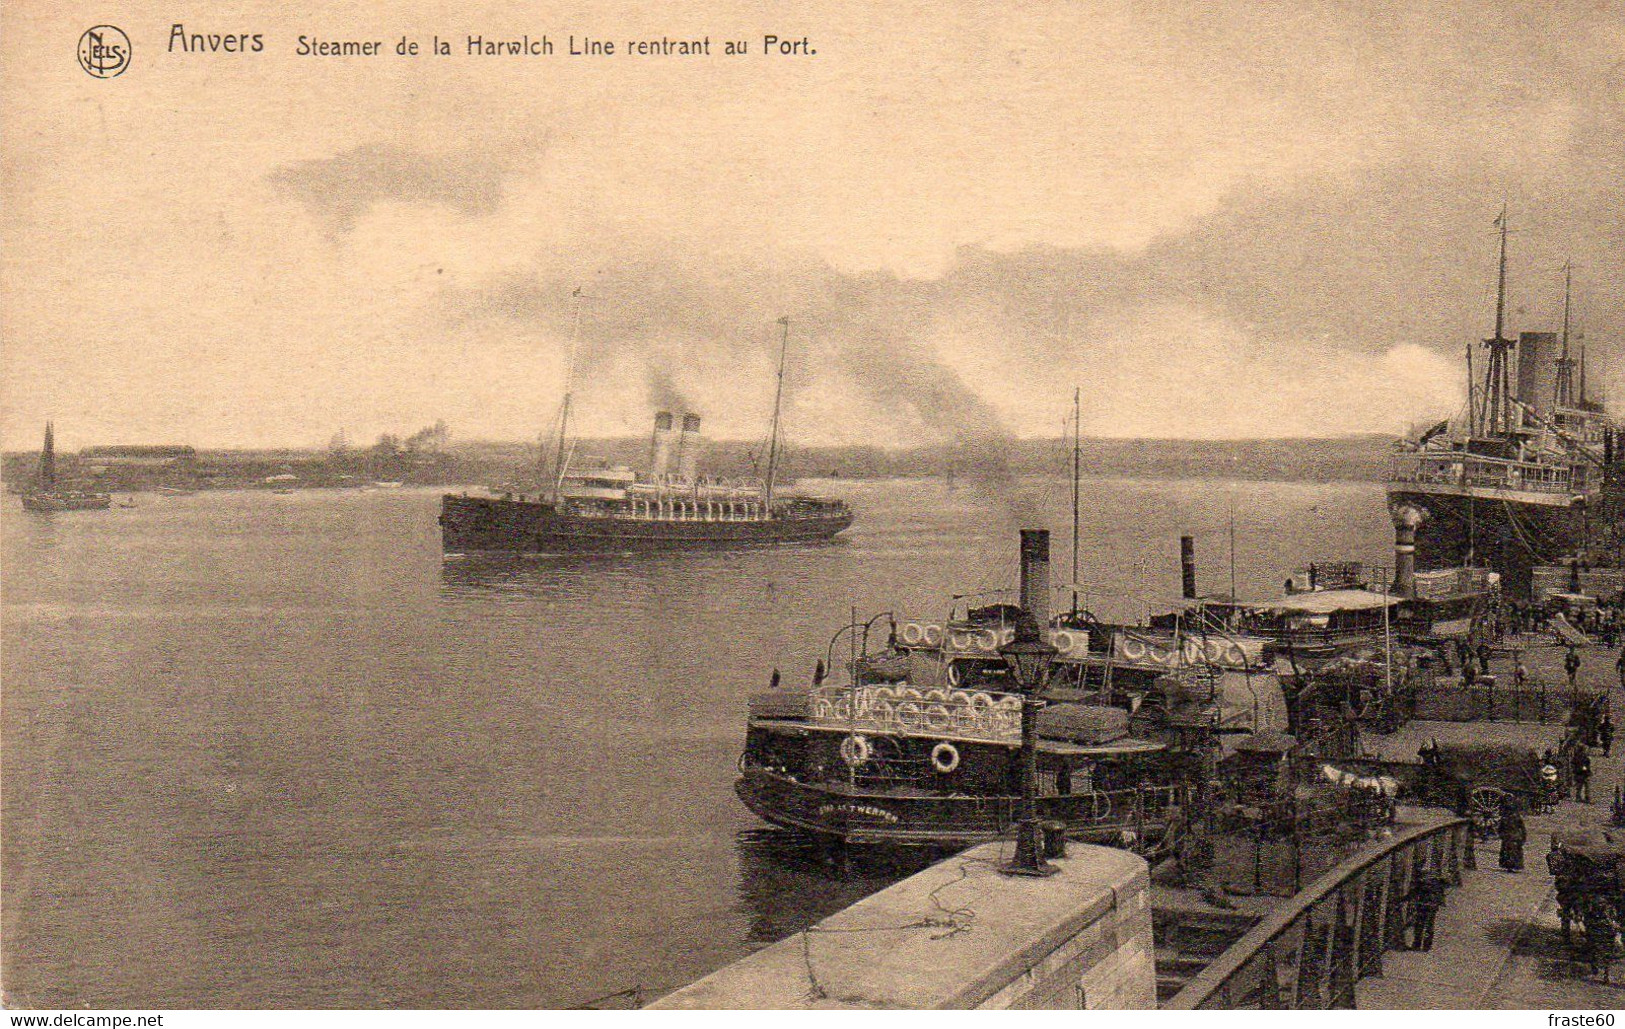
<point>339,190</point>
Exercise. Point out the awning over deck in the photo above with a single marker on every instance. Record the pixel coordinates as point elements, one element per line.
<point>1322,602</point>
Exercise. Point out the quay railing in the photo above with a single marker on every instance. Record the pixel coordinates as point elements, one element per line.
<point>1312,951</point>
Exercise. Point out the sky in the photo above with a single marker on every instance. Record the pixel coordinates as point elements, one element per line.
<point>1243,220</point>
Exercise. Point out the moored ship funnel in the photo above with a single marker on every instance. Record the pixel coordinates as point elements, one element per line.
<point>1035,574</point>
<point>688,449</point>
<point>1537,370</point>
<point>660,447</point>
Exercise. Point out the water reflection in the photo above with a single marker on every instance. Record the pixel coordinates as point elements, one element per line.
<point>525,576</point>
<point>789,880</point>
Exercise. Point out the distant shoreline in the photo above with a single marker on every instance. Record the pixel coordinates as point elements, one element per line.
<point>971,461</point>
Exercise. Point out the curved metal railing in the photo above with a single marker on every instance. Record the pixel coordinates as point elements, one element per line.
<point>1312,950</point>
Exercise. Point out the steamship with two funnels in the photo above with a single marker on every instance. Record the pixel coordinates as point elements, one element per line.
<point>1522,482</point>
<point>609,510</point>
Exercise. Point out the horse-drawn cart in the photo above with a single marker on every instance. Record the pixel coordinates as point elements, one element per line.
<point>1590,871</point>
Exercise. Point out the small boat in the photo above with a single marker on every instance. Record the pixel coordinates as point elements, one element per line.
<point>49,498</point>
<point>388,485</point>
<point>175,491</point>
<point>283,492</point>
<point>127,503</point>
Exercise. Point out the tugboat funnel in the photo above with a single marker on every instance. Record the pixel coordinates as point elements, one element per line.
<point>1035,575</point>
<point>1187,567</point>
<point>1406,519</point>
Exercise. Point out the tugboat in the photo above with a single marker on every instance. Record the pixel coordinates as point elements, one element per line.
<point>610,510</point>
<point>49,498</point>
<point>1516,483</point>
<point>923,747</point>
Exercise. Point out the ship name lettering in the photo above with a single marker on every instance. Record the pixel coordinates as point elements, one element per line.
<point>857,809</point>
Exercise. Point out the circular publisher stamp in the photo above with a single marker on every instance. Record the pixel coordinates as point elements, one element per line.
<point>104,51</point>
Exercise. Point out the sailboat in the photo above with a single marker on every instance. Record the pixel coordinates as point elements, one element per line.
<point>48,497</point>
<point>672,507</point>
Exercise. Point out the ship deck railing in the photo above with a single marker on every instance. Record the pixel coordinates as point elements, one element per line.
<point>1471,471</point>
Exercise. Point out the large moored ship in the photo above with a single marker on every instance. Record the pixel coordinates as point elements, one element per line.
<point>1518,482</point>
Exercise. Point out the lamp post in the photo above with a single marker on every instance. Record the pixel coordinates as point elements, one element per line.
<point>1029,657</point>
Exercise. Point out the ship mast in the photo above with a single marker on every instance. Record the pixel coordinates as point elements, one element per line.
<point>1565,364</point>
<point>564,407</point>
<point>1497,416</point>
<point>1077,465</point>
<point>778,400</point>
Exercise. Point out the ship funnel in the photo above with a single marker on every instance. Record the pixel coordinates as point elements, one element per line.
<point>1035,575</point>
<point>688,449</point>
<point>1537,370</point>
<point>1406,519</point>
<point>660,447</point>
<point>1187,567</point>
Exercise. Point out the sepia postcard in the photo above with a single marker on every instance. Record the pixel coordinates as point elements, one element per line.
<point>861,506</point>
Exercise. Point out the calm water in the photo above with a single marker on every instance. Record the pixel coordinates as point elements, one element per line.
<point>271,750</point>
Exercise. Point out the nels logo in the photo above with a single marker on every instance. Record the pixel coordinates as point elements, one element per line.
<point>104,51</point>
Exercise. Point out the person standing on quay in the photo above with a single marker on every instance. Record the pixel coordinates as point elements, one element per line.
<point>1514,834</point>
<point>1580,766</point>
<point>1619,666</point>
<point>1605,734</point>
<point>1427,896</point>
<point>1571,665</point>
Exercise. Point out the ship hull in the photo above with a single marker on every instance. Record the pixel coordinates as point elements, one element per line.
<point>479,524</point>
<point>862,818</point>
<point>1504,535</point>
<point>60,502</point>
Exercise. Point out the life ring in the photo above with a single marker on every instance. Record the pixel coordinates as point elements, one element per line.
<point>988,639</point>
<point>937,717</point>
<point>959,698</point>
<point>1062,640</point>
<point>945,757</point>
<point>855,750</point>
<point>1007,636</point>
<point>1133,649</point>
<point>1235,655</point>
<point>953,674</point>
<point>912,633</point>
<point>1100,808</point>
<point>959,640</point>
<point>910,714</point>
<point>931,635</point>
